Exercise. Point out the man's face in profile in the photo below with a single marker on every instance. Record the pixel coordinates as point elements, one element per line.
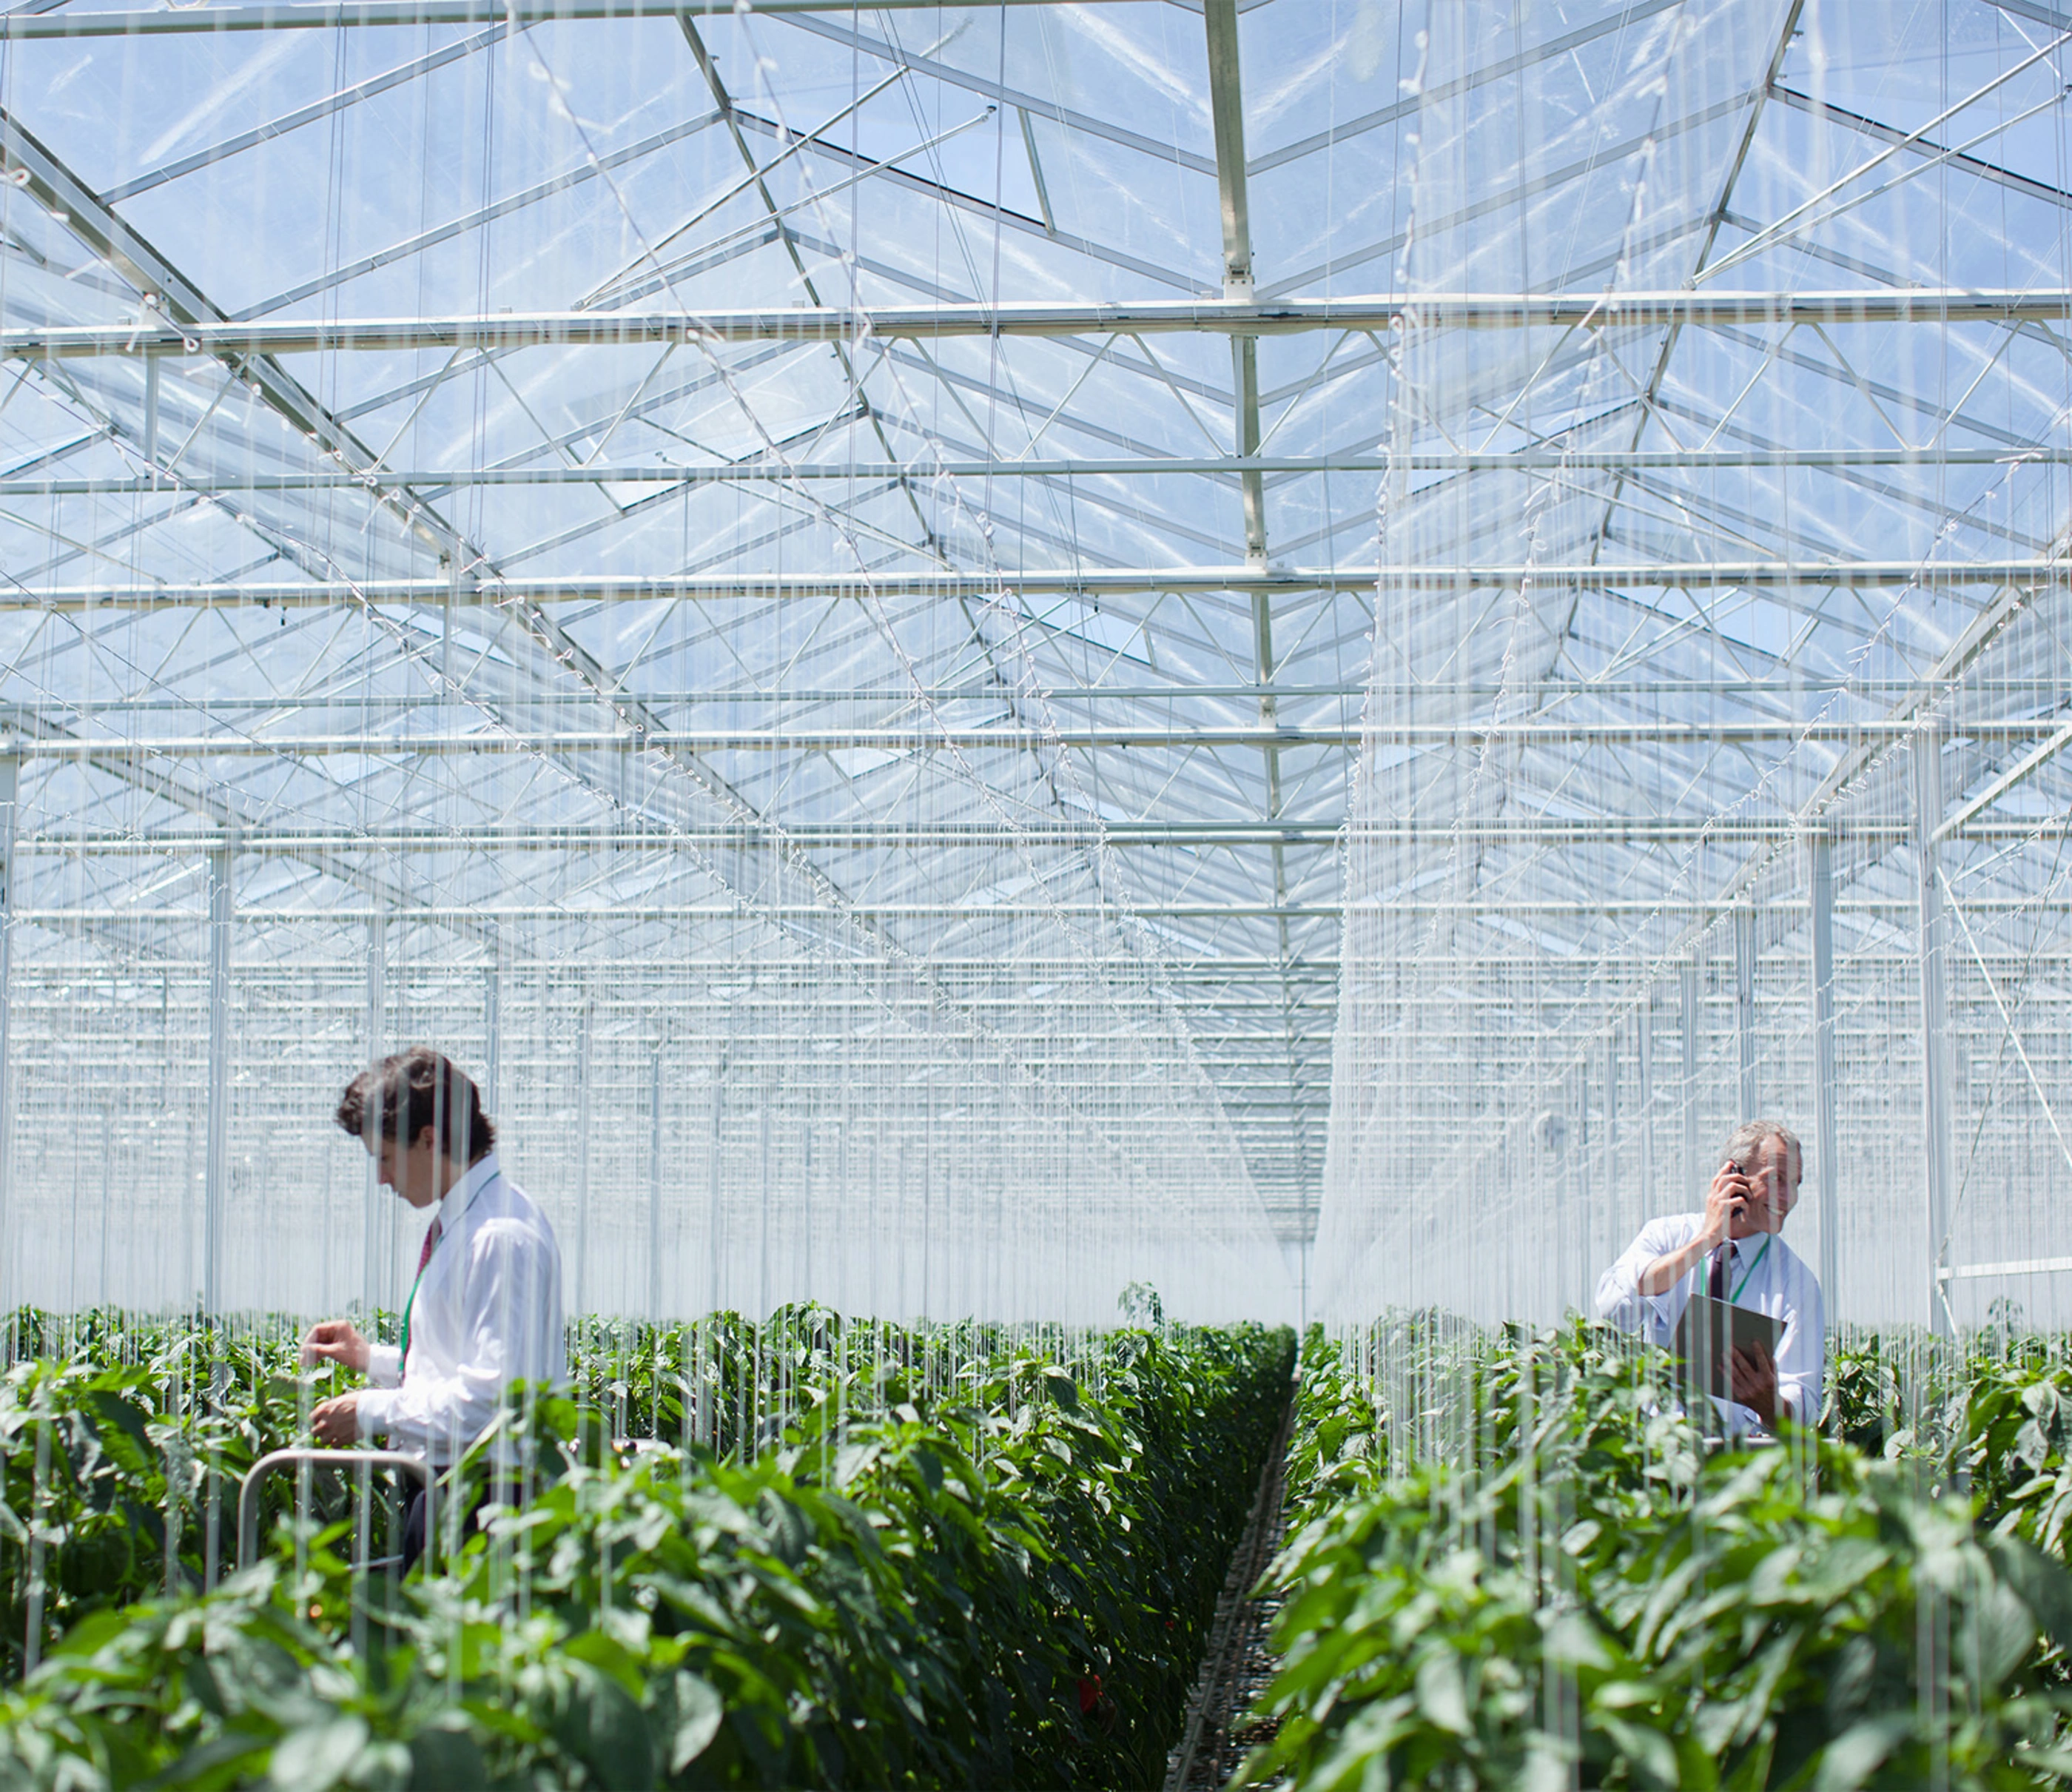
<point>1772,1193</point>
<point>413,1173</point>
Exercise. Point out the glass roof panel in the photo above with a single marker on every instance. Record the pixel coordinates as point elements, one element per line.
<point>882,653</point>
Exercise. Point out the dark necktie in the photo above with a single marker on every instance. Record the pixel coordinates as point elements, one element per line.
<point>1717,1287</point>
<point>431,1244</point>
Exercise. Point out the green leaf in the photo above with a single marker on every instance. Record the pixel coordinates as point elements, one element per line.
<point>1650,1753</point>
<point>92,1634</point>
<point>213,1763</point>
<point>1850,1760</point>
<point>2042,1584</point>
<point>700,1712</point>
<point>2007,1634</point>
<point>316,1757</point>
<point>605,1730</point>
<point>126,1415</point>
<point>202,1685</point>
<point>930,1466</point>
<point>609,1656</point>
<point>1442,1699</point>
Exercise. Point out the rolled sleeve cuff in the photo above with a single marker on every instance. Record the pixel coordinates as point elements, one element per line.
<point>1621,1303</point>
<point>385,1366</point>
<point>374,1409</point>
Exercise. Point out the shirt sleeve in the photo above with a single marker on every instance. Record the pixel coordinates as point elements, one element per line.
<point>508,1298</point>
<point>384,1365</point>
<point>1620,1301</point>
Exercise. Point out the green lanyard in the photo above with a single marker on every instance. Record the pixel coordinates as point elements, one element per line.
<point>1744,1282</point>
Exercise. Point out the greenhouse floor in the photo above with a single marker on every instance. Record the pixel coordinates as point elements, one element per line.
<point>1237,1665</point>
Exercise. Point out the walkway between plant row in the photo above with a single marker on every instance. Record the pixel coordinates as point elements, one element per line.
<point>1236,1665</point>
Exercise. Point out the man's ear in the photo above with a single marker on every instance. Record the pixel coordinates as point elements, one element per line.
<point>426,1137</point>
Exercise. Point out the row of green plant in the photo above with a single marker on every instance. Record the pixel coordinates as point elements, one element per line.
<point>122,1440</point>
<point>996,1573</point>
<point>1579,1592</point>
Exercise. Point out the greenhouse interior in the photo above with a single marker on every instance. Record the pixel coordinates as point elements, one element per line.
<point>1100,893</point>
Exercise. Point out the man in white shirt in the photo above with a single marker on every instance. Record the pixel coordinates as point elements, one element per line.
<point>1732,1251</point>
<point>485,1308</point>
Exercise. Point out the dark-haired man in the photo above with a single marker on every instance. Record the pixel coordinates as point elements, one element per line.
<point>485,1308</point>
<point>1732,1251</point>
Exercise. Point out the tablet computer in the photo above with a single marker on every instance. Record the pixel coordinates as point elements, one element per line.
<point>1710,1332</point>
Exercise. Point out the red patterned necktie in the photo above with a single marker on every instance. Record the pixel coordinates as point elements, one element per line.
<point>424,1257</point>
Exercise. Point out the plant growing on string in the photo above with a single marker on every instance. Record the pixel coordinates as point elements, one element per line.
<point>1547,1609</point>
<point>912,1597</point>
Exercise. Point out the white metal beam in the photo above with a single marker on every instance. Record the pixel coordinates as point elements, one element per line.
<point>1967,814</point>
<point>610,914</point>
<point>1281,736</point>
<point>1061,581</point>
<point>300,15</point>
<point>1941,307</point>
<point>1527,832</point>
<point>2025,1265</point>
<point>1234,467</point>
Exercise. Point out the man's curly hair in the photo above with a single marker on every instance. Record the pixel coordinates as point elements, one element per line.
<point>399,1096</point>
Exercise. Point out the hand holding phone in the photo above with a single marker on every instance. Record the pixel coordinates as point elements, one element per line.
<point>1746,1192</point>
<point>1726,1201</point>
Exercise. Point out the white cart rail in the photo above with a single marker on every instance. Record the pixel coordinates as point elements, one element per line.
<point>247,1496</point>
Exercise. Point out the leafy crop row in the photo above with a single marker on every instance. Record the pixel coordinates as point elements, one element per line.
<point>121,1443</point>
<point>1585,1595</point>
<point>960,1562</point>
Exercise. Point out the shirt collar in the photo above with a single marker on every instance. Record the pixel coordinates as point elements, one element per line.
<point>477,1176</point>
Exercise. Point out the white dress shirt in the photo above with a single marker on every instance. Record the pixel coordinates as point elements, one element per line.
<point>486,1312</point>
<point>1777,1283</point>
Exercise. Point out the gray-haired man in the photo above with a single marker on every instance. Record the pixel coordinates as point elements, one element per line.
<point>1732,1250</point>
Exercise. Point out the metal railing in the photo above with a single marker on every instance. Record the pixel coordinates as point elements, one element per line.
<point>247,1495</point>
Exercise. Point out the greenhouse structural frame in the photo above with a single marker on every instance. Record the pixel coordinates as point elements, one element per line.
<point>977,654</point>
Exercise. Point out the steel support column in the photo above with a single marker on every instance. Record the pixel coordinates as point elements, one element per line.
<point>654,1187</point>
<point>1644,1047</point>
<point>377,1226</point>
<point>1820,851</point>
<point>715,1184</point>
<point>492,1031</point>
<point>580,1293</point>
<point>10,776</point>
<point>216,1176</point>
<point>1695,1178</point>
<point>1608,1155</point>
<point>1745,1007</point>
<point>1935,1091</point>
